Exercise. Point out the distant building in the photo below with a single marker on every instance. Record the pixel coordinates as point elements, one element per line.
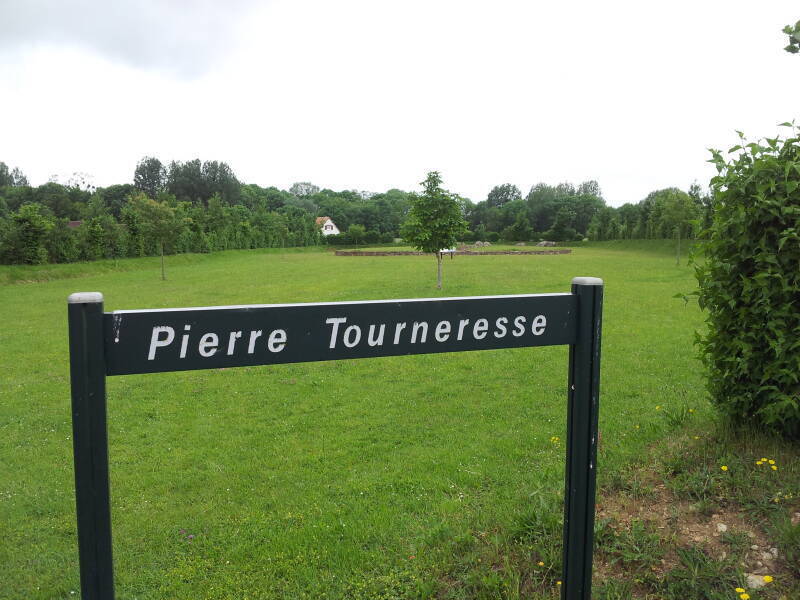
<point>74,224</point>
<point>328,227</point>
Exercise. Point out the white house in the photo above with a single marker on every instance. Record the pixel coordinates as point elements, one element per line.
<point>328,227</point>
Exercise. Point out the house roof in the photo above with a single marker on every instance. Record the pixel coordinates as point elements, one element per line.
<point>73,224</point>
<point>322,220</point>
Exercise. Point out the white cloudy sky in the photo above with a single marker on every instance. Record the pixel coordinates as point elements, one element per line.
<point>373,94</point>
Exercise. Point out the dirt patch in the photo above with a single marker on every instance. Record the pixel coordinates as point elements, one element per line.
<point>727,533</point>
<point>680,520</point>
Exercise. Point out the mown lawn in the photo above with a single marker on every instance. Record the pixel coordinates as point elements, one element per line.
<point>385,478</point>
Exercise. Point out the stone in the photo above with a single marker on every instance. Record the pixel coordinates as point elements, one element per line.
<point>722,528</point>
<point>754,547</point>
<point>755,582</point>
<point>774,552</point>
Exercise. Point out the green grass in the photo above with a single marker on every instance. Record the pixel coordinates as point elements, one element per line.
<point>40,273</point>
<point>386,478</point>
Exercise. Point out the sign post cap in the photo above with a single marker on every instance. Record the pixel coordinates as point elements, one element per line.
<point>587,281</point>
<point>85,298</point>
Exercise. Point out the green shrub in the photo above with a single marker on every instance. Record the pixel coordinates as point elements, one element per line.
<point>750,284</point>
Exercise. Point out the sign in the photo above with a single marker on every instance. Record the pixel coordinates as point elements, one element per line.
<point>149,341</point>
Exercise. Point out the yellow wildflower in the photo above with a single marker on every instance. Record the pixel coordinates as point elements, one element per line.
<point>744,596</point>
<point>768,579</point>
<point>739,590</point>
<point>770,461</point>
<point>774,468</point>
<point>540,563</point>
<point>724,467</point>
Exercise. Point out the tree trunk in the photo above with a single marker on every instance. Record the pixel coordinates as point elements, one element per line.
<point>163,273</point>
<point>438,270</point>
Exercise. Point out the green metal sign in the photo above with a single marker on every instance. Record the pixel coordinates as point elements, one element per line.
<point>152,341</point>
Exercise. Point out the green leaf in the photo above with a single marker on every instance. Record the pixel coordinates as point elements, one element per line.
<point>749,282</point>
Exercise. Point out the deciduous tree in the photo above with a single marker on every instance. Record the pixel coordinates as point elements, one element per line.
<point>31,228</point>
<point>157,221</point>
<point>435,220</point>
<point>356,233</point>
<point>303,189</point>
<point>150,177</point>
<point>677,212</point>
<point>11,177</point>
<point>501,194</point>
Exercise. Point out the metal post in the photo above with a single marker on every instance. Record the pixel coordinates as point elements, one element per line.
<point>90,444</point>
<point>582,413</point>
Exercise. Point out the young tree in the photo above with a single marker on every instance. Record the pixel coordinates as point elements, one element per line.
<point>157,221</point>
<point>435,220</point>
<point>356,233</point>
<point>677,213</point>
<point>31,228</point>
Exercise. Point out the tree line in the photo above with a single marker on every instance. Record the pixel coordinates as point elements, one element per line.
<point>201,206</point>
<point>564,213</point>
<point>189,206</point>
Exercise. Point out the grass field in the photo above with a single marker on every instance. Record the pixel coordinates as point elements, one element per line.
<point>426,476</point>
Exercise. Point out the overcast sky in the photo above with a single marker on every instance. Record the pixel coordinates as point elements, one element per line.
<point>372,95</point>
